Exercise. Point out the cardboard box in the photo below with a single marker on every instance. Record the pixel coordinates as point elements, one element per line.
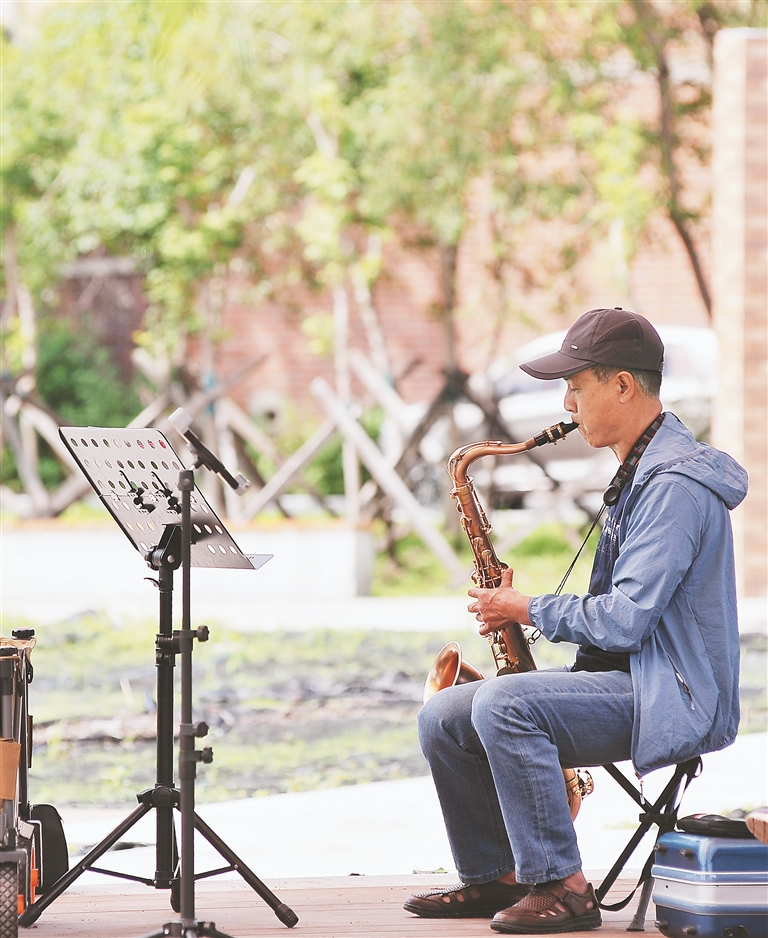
<point>10,756</point>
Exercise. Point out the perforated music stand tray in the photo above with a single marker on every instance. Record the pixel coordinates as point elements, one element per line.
<point>136,475</point>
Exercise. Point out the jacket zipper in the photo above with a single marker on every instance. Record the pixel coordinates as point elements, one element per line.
<point>686,688</point>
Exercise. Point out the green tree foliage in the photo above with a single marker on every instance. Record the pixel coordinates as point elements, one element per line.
<point>286,140</point>
<point>79,381</point>
<point>138,151</point>
<point>350,120</point>
<point>446,120</point>
<point>80,384</point>
<point>637,162</point>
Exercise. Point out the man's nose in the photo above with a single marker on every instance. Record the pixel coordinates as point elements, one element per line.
<point>568,402</point>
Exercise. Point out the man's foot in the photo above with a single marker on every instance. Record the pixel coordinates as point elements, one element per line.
<point>478,900</point>
<point>550,908</point>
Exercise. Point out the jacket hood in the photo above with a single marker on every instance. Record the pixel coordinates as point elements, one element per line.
<point>675,449</point>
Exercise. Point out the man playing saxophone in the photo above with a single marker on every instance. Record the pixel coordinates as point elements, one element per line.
<point>655,678</point>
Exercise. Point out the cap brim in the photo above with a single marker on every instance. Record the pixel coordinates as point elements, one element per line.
<point>556,365</point>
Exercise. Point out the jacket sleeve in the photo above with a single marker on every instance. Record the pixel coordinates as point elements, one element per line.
<point>663,534</point>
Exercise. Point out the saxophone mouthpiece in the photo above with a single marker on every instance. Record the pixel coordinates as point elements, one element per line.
<point>554,434</point>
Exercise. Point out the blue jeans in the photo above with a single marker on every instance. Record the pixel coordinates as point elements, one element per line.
<point>496,750</point>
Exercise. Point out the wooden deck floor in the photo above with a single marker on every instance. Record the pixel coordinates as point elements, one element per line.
<point>327,908</point>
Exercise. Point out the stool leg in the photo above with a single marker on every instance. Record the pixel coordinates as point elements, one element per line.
<point>638,922</point>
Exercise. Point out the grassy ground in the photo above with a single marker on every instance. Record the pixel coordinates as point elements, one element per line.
<point>539,563</point>
<point>287,711</point>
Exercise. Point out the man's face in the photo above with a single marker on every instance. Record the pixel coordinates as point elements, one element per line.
<point>595,406</point>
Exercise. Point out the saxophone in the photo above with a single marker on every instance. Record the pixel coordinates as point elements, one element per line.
<point>509,646</point>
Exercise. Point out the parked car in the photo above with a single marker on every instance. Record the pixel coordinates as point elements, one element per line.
<point>527,405</point>
<point>688,383</point>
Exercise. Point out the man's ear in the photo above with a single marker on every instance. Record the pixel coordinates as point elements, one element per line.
<point>626,384</point>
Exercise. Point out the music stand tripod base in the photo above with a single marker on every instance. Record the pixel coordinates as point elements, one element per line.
<point>179,930</point>
<point>151,495</point>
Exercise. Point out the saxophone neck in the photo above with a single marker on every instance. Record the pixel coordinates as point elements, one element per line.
<point>464,456</point>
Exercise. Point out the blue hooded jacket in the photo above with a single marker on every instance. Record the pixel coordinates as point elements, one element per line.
<point>672,603</point>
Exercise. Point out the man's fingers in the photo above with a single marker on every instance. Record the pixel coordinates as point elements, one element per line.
<point>506,576</point>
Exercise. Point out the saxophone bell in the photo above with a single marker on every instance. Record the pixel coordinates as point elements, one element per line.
<point>449,668</point>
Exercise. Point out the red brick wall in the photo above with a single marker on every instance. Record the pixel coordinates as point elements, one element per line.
<point>741,284</point>
<point>408,299</point>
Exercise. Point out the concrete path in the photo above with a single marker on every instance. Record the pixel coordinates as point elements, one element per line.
<point>53,571</point>
<point>395,828</point>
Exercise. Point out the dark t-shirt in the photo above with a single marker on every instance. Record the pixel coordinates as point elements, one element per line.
<point>589,657</point>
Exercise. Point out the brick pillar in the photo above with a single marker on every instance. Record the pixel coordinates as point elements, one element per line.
<point>740,285</point>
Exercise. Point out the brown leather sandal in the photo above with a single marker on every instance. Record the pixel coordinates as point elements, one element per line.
<point>477,900</point>
<point>549,908</point>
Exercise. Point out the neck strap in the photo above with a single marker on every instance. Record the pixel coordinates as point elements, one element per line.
<point>612,493</point>
<point>625,470</point>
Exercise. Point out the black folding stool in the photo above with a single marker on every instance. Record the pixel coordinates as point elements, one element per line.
<point>663,813</point>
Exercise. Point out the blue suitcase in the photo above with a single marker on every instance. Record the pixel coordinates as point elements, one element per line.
<point>710,886</point>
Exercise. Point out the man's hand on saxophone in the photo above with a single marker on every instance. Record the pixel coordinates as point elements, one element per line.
<point>496,608</point>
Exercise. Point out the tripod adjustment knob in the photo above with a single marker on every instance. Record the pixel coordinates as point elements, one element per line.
<point>24,635</point>
<point>206,755</point>
<point>202,633</point>
<point>201,729</point>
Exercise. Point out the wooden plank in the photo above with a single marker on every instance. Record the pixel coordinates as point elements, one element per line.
<point>288,471</point>
<point>342,910</point>
<point>388,479</point>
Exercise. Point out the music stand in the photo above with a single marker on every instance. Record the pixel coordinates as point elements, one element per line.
<point>151,495</point>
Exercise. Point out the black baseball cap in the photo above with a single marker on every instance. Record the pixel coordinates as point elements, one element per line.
<point>603,337</point>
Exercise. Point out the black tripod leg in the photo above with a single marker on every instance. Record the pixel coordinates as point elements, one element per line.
<point>638,921</point>
<point>34,911</point>
<point>286,915</point>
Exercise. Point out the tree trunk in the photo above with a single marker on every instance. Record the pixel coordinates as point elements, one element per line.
<point>448,261</point>
<point>668,141</point>
<point>364,299</point>
<point>349,458</point>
